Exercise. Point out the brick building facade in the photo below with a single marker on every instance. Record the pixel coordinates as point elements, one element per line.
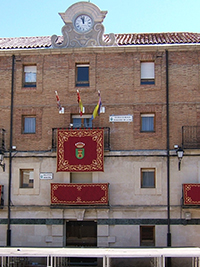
<point>151,79</point>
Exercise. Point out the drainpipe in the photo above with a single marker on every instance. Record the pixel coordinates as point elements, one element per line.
<point>10,153</point>
<point>168,156</point>
<point>168,160</point>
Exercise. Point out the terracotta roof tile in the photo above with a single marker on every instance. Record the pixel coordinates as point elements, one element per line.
<point>157,38</point>
<point>25,42</point>
<point>121,39</point>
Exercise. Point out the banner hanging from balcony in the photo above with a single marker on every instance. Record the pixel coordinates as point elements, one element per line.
<point>191,194</point>
<point>1,192</point>
<point>79,194</point>
<point>80,150</point>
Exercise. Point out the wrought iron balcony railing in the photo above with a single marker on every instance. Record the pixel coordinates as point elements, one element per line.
<point>106,137</point>
<point>2,140</point>
<point>191,136</point>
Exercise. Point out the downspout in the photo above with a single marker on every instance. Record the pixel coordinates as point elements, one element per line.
<point>168,156</point>
<point>10,153</point>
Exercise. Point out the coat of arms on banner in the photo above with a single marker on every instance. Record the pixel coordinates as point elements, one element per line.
<point>80,150</point>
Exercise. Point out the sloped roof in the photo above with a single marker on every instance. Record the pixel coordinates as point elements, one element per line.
<point>158,38</point>
<point>121,39</point>
<point>25,42</point>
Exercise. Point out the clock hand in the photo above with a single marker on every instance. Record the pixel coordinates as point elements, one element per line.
<point>83,20</point>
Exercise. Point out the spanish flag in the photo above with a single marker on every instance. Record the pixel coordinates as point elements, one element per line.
<point>58,101</point>
<point>96,111</point>
<point>80,103</point>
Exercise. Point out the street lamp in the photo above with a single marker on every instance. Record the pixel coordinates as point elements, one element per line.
<point>179,152</point>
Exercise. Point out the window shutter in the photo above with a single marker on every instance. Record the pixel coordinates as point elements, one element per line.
<point>30,73</point>
<point>147,70</point>
<point>32,69</point>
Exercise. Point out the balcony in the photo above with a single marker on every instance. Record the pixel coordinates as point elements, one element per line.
<point>79,194</point>
<point>191,136</point>
<point>106,137</point>
<point>2,140</point>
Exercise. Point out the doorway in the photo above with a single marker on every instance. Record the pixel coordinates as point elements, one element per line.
<point>81,234</point>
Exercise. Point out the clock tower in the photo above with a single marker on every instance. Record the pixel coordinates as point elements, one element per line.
<point>83,27</point>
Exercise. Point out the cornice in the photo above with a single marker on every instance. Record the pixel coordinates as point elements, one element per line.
<point>97,50</point>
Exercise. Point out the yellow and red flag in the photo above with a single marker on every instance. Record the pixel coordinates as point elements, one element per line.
<point>80,103</point>
<point>96,111</point>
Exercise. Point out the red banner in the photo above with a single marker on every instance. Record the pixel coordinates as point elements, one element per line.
<point>191,194</point>
<point>79,194</point>
<point>0,193</point>
<point>80,150</point>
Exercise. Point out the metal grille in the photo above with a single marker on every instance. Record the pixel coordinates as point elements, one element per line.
<point>2,140</point>
<point>191,136</point>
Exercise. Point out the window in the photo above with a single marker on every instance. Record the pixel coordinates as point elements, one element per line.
<point>147,236</point>
<point>26,178</point>
<point>29,124</point>
<point>80,177</point>
<point>30,73</point>
<point>147,122</point>
<point>147,73</point>
<point>84,121</point>
<point>147,178</point>
<point>82,74</point>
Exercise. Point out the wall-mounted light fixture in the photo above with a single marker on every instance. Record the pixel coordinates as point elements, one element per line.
<point>2,164</point>
<point>179,152</point>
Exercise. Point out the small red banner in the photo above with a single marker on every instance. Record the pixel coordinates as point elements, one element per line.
<point>80,150</point>
<point>79,194</point>
<point>0,194</point>
<point>191,194</point>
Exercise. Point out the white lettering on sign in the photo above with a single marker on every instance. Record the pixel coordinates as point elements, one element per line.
<point>46,175</point>
<point>121,118</point>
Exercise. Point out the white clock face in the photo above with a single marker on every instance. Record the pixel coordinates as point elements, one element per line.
<point>83,23</point>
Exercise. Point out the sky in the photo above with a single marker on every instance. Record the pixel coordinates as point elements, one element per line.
<point>23,18</point>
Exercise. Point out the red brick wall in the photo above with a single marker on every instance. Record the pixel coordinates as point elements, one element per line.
<point>117,76</point>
